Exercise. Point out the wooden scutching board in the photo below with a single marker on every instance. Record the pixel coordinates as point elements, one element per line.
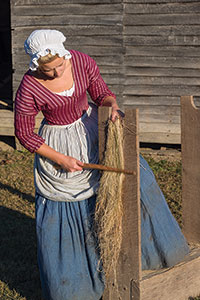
<point>176,283</point>
<point>128,271</point>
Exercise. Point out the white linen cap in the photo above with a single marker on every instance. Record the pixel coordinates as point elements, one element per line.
<point>41,42</point>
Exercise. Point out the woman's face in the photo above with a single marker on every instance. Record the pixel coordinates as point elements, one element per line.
<point>55,68</point>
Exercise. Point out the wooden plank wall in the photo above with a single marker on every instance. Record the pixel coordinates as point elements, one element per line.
<point>147,51</point>
<point>162,61</point>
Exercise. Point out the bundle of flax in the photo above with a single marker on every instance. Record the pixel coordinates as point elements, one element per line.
<point>108,214</point>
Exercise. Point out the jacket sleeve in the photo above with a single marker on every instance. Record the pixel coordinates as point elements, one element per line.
<point>24,121</point>
<point>98,90</point>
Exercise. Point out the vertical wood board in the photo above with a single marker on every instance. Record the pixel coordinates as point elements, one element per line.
<point>130,268</point>
<point>190,141</point>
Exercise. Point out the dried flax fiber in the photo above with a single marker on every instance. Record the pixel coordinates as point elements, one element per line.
<point>109,210</point>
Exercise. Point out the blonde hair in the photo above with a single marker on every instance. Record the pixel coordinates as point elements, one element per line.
<point>47,59</point>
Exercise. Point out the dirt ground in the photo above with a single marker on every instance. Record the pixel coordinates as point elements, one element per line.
<point>160,152</point>
<point>169,154</point>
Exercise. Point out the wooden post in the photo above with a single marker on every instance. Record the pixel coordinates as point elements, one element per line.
<point>190,143</point>
<point>128,273</point>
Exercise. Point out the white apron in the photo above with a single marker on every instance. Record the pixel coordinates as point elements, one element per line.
<point>79,140</point>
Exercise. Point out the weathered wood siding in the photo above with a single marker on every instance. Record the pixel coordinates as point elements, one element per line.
<point>162,61</point>
<point>147,50</point>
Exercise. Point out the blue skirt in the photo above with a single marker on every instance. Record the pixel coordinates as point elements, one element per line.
<point>67,256</point>
<point>162,242</point>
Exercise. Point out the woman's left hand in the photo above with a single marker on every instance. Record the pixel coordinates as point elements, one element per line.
<point>116,113</point>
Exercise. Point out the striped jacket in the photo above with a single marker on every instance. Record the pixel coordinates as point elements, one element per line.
<point>32,97</point>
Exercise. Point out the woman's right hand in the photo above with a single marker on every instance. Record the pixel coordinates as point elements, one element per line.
<point>71,164</point>
<point>65,162</point>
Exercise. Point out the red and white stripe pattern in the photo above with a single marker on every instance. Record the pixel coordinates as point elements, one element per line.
<point>33,97</point>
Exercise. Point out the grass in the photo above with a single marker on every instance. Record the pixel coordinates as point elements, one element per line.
<point>19,277</point>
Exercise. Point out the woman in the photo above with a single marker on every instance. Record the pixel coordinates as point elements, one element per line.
<point>56,84</point>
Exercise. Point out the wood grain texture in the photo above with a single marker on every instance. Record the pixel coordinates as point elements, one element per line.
<point>58,2</point>
<point>185,72</point>
<point>180,282</point>
<point>166,62</point>
<point>65,20</point>
<point>70,9</point>
<point>162,19</point>
<point>151,100</point>
<point>131,249</point>
<point>154,101</point>
<point>161,8</point>
<point>70,30</point>
<point>162,80</point>
<point>178,30</point>
<point>170,40</point>
<point>165,90</point>
<point>158,1</point>
<point>190,137</point>
<point>7,122</point>
<point>159,136</point>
